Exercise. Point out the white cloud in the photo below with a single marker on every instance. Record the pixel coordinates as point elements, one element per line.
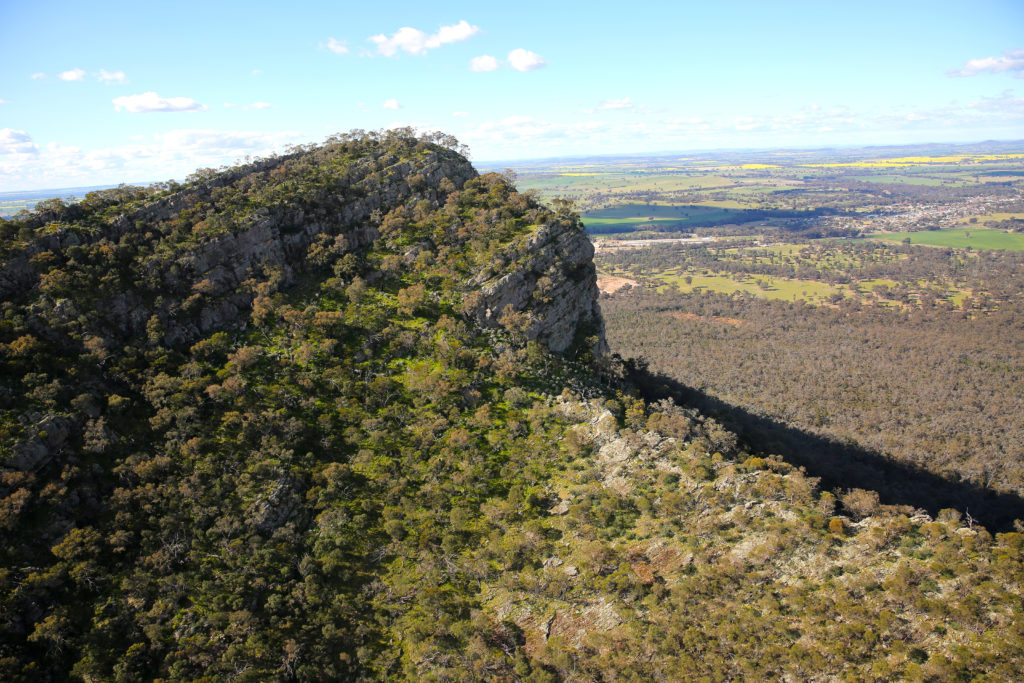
<point>210,143</point>
<point>622,103</point>
<point>1011,60</point>
<point>338,47</point>
<point>456,33</point>
<point>16,142</point>
<point>254,105</point>
<point>524,60</point>
<point>747,123</point>
<point>71,75</point>
<point>527,132</point>
<point>172,155</point>
<point>256,72</point>
<point>408,39</point>
<point>111,76</point>
<point>416,42</point>
<point>151,103</point>
<point>391,104</point>
<point>1004,104</point>
<point>460,114</point>
<point>483,63</point>
<point>38,76</point>
<point>526,137</point>
<point>3,101</point>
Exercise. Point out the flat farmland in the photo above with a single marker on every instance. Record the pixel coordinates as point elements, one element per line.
<point>975,238</point>
<point>833,192</point>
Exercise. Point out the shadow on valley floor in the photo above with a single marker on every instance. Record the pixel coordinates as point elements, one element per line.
<point>840,465</point>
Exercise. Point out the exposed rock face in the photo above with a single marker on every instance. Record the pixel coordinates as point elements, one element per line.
<point>549,276</point>
<point>279,238</point>
<point>276,237</point>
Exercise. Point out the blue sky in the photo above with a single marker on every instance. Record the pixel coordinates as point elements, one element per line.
<point>109,92</point>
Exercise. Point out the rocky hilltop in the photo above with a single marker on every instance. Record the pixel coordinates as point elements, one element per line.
<point>256,239</point>
<point>347,414</point>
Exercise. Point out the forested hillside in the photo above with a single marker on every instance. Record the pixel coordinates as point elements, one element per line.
<point>910,354</point>
<point>348,414</point>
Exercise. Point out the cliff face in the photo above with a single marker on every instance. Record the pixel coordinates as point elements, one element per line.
<point>279,237</point>
<point>199,286</point>
<point>249,245</point>
<point>550,277</point>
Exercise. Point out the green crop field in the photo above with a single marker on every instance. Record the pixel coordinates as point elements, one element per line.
<point>976,238</point>
<point>606,226</point>
<point>632,217</point>
<point>782,193</point>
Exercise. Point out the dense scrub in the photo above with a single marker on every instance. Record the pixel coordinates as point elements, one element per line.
<point>896,275</point>
<point>917,358</point>
<point>340,475</point>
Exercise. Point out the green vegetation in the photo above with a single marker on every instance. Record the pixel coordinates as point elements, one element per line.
<point>890,346</point>
<point>975,238</point>
<point>635,217</point>
<point>893,178</point>
<point>12,203</point>
<point>816,272</point>
<point>256,427</point>
<point>766,287</point>
<point>806,194</point>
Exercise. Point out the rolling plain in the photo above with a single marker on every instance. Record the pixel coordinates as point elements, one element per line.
<point>869,297</point>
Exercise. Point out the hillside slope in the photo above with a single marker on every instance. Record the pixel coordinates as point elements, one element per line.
<point>347,414</point>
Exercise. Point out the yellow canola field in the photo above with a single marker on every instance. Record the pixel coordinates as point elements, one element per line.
<point>912,161</point>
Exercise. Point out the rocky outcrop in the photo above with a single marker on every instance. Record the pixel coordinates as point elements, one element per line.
<point>279,237</point>
<point>44,439</point>
<point>548,277</point>
<point>199,288</point>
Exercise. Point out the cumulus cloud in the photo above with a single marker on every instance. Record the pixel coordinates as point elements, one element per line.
<point>151,103</point>
<point>391,104</point>
<point>483,63</point>
<point>456,33</point>
<point>16,142</point>
<point>338,47</point>
<point>71,75</point>
<point>111,77</point>
<point>416,42</point>
<point>38,76</point>
<point>524,60</point>
<point>1011,60</point>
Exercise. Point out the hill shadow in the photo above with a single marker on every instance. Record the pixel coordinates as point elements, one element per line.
<point>839,465</point>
